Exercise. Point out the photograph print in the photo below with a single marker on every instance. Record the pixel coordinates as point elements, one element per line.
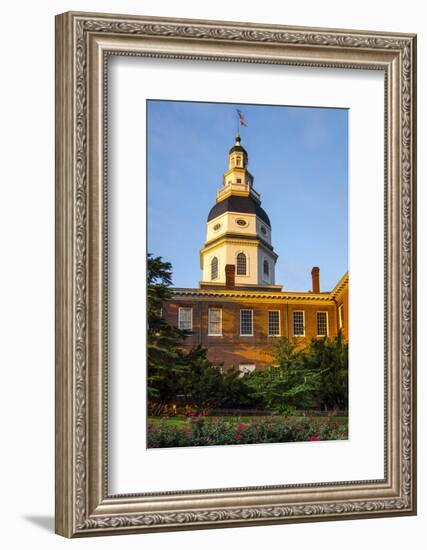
<point>247,274</point>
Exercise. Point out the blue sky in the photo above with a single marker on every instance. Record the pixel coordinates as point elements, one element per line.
<point>299,159</point>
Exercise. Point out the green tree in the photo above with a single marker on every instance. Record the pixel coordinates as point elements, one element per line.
<point>163,340</point>
<point>201,383</point>
<point>290,383</point>
<point>329,357</point>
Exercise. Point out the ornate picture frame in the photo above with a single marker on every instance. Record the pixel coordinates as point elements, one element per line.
<point>84,42</point>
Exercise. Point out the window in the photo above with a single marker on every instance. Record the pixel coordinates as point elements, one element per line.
<point>266,268</point>
<point>215,322</point>
<point>246,369</point>
<point>341,316</point>
<point>185,318</point>
<point>274,323</point>
<point>241,264</point>
<point>238,162</point>
<point>298,323</point>
<point>322,323</point>
<point>246,322</point>
<point>214,268</point>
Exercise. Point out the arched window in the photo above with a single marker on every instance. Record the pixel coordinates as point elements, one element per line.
<point>266,268</point>
<point>238,161</point>
<point>241,264</point>
<point>214,268</point>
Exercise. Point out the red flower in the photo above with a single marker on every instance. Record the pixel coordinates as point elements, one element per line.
<point>241,427</point>
<point>315,437</point>
<point>238,436</point>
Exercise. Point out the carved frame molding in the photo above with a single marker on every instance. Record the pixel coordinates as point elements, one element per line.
<point>83,43</point>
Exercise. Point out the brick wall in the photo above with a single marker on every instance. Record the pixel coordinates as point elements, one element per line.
<point>233,350</point>
<point>342,300</point>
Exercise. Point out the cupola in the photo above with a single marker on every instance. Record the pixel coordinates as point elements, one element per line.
<point>238,230</point>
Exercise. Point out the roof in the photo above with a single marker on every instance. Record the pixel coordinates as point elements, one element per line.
<point>238,148</point>
<point>340,286</point>
<point>243,205</point>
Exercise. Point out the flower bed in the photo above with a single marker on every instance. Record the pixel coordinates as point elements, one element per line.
<point>202,431</point>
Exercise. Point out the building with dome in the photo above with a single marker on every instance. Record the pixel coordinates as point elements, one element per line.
<point>238,309</point>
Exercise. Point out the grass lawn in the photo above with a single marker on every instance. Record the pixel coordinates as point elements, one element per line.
<point>179,421</point>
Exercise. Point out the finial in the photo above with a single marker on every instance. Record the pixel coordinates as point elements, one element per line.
<point>237,139</point>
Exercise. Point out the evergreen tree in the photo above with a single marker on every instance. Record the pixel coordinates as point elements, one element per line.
<point>163,340</point>
<point>329,357</point>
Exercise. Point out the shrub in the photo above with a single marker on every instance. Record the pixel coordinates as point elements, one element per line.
<point>202,431</point>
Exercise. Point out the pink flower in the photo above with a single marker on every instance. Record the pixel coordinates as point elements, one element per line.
<point>315,437</point>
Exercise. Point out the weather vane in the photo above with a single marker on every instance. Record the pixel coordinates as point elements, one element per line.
<point>241,119</point>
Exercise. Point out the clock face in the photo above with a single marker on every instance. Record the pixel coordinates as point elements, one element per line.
<point>241,222</point>
<point>217,226</point>
<point>263,230</point>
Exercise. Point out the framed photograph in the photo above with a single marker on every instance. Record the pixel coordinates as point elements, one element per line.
<point>235,274</point>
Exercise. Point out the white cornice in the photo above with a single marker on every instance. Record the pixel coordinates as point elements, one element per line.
<point>340,286</point>
<point>235,294</point>
<point>247,240</point>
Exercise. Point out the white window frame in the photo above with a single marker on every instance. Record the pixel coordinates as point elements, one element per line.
<point>217,268</point>
<point>327,325</point>
<point>220,321</point>
<point>252,322</point>
<point>180,309</point>
<point>303,324</point>
<point>268,323</point>
<point>247,263</point>
<point>248,370</point>
<point>341,316</point>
